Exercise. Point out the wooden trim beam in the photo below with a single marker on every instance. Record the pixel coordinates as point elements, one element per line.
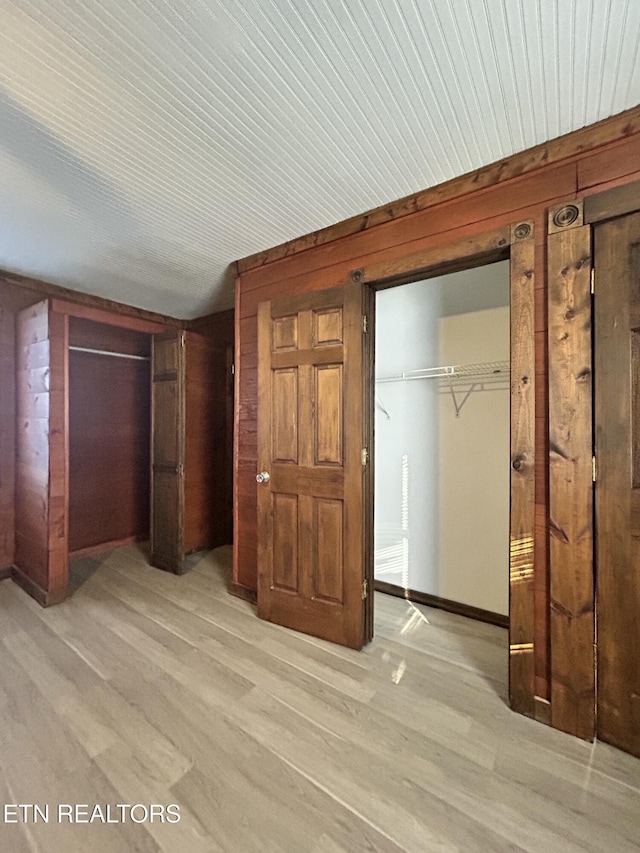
<point>465,254</point>
<point>579,142</point>
<point>109,318</point>
<point>77,297</point>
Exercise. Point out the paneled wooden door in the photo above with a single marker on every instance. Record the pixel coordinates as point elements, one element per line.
<point>167,451</point>
<point>314,468</point>
<point>617,439</point>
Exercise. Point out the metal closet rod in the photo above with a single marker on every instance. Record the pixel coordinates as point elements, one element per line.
<point>112,354</point>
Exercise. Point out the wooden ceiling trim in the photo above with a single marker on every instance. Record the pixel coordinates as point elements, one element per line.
<point>575,144</point>
<point>471,210</point>
<point>78,298</point>
<point>109,318</point>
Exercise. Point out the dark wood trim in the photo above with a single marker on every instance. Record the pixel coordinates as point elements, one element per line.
<point>429,600</point>
<point>571,605</point>
<point>44,598</point>
<point>5,573</point>
<point>522,473</point>
<point>475,251</point>
<point>579,142</point>
<point>243,592</point>
<point>236,437</point>
<point>611,203</point>
<point>77,297</point>
<point>109,318</point>
<point>543,710</point>
<point>104,546</point>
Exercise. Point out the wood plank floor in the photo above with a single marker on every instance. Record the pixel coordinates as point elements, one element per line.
<point>145,688</point>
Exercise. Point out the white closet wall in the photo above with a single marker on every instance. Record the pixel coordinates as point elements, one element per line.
<point>442,482</point>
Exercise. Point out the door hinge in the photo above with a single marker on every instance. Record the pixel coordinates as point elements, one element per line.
<point>233,369</point>
<point>365,589</point>
<point>594,469</point>
<point>593,280</point>
<point>182,339</point>
<point>364,456</point>
<point>180,471</point>
<point>365,324</point>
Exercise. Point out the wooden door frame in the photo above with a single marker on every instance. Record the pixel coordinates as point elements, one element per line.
<point>517,244</point>
<point>571,453</point>
<point>61,311</point>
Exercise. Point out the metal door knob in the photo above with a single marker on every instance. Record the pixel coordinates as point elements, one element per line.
<point>263,477</point>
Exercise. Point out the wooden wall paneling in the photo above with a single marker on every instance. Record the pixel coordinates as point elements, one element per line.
<point>7,436</point>
<point>570,146</point>
<point>32,452</point>
<point>58,581</point>
<point>431,238</point>
<point>479,213</point>
<point>522,516</point>
<point>570,474</point>
<point>208,508</point>
<point>167,451</point>
<point>615,161</point>
<point>109,436</point>
<point>109,338</point>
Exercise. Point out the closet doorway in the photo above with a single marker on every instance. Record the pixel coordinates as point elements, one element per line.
<point>109,436</point>
<point>442,446</point>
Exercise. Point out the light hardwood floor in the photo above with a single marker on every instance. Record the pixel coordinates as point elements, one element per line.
<point>154,689</point>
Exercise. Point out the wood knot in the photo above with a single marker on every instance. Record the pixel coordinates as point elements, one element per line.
<point>583,375</point>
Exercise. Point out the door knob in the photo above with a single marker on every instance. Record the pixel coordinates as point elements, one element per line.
<point>263,477</point>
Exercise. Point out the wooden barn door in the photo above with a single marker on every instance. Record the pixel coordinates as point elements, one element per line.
<point>167,451</point>
<point>617,434</point>
<point>312,465</point>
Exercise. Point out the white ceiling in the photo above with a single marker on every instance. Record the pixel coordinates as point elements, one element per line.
<point>145,145</point>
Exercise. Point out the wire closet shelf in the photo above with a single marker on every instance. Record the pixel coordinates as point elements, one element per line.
<point>472,377</point>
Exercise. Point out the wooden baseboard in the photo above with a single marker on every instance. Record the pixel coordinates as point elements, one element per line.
<point>542,710</point>
<point>443,604</point>
<point>42,596</point>
<point>243,592</point>
<point>5,573</point>
<point>105,546</point>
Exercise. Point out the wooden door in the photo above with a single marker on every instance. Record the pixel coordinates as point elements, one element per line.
<point>617,419</point>
<point>167,451</point>
<point>313,465</point>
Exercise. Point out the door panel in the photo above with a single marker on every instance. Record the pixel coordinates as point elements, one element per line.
<point>617,410</point>
<point>312,427</point>
<point>167,451</point>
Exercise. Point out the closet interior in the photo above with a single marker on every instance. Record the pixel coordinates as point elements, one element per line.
<point>109,436</point>
<point>442,443</point>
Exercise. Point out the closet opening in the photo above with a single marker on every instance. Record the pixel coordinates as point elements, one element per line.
<point>442,464</point>
<point>109,441</point>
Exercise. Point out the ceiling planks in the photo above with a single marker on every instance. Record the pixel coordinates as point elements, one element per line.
<point>144,146</point>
